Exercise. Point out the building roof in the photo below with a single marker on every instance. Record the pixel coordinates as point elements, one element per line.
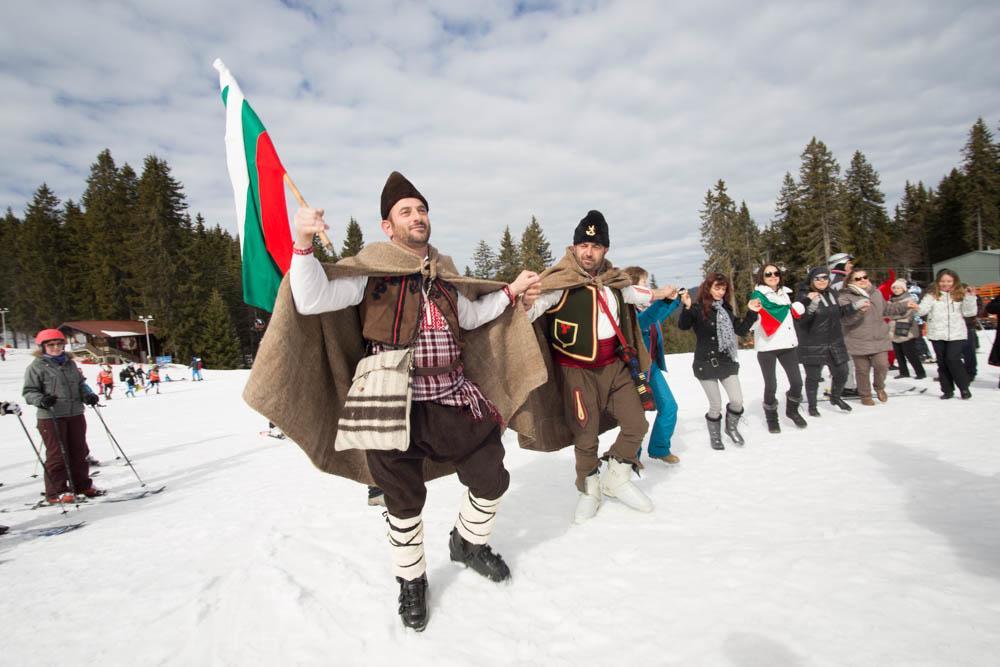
<point>109,328</point>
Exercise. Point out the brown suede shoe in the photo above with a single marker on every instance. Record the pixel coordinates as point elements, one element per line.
<point>882,396</point>
<point>669,458</point>
<point>867,400</point>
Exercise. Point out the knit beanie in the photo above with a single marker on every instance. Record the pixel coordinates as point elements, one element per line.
<point>816,272</point>
<point>899,282</point>
<point>592,229</point>
<point>396,188</point>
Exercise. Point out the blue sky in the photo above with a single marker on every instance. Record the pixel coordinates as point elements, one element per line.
<point>500,111</point>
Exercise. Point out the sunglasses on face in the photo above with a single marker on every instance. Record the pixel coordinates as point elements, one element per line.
<point>772,274</point>
<point>818,278</point>
<point>858,279</point>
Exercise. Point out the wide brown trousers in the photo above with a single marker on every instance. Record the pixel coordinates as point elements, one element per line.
<point>589,392</point>
<point>73,433</point>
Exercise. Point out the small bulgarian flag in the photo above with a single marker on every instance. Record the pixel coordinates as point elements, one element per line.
<point>259,189</point>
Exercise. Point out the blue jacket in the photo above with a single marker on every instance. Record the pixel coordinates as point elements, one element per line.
<point>652,335</point>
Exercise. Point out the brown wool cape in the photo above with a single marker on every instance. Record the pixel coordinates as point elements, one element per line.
<point>541,421</point>
<point>305,363</point>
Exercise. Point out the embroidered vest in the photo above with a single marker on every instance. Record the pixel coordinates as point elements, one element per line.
<point>572,323</point>
<point>390,309</point>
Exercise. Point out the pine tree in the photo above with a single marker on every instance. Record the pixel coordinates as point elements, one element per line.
<point>468,272</point>
<point>157,239</point>
<point>866,222</point>
<point>981,198</point>
<point>778,240</point>
<point>536,255</point>
<point>39,264</point>
<point>730,238</point>
<point>106,222</point>
<point>508,259</point>
<point>945,220</point>
<point>218,345</point>
<point>652,281</point>
<point>353,240</point>
<point>76,259</point>
<point>821,231</point>
<point>484,261</point>
<point>10,283</point>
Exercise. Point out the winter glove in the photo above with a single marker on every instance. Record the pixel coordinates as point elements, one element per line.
<point>47,401</point>
<point>9,408</point>
<point>90,399</point>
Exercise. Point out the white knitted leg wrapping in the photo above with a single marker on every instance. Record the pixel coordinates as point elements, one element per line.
<point>476,518</point>
<point>406,537</point>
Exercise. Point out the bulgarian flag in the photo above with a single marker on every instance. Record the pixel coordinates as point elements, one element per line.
<point>259,189</point>
<point>773,314</point>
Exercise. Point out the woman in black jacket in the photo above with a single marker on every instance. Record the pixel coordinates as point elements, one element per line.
<point>821,338</point>
<point>715,353</point>
<point>993,308</point>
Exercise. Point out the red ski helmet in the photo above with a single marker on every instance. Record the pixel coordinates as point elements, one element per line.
<point>49,334</point>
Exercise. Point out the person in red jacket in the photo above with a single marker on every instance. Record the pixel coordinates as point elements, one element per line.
<point>105,382</point>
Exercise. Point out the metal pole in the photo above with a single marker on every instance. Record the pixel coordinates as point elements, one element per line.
<point>3,315</point>
<point>146,319</point>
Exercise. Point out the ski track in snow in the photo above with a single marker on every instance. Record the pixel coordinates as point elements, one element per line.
<point>871,538</point>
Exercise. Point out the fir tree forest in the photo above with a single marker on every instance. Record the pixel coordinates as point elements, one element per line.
<point>130,246</point>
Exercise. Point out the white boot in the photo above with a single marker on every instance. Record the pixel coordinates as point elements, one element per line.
<point>616,482</point>
<point>590,500</point>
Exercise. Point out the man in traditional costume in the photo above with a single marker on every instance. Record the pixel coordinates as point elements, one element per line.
<point>473,364</point>
<point>587,307</point>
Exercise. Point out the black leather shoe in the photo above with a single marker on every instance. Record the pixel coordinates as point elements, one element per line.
<point>479,557</point>
<point>949,394</point>
<point>840,403</point>
<point>966,394</point>
<point>413,602</point>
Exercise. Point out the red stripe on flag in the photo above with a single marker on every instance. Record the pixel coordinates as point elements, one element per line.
<point>274,213</point>
<point>768,322</point>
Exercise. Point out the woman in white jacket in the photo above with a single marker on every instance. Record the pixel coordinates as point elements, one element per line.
<point>775,340</point>
<point>945,306</point>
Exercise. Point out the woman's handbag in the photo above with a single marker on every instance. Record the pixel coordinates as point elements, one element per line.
<point>376,413</point>
<point>902,328</point>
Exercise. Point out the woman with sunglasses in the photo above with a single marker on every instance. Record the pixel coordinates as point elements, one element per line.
<point>775,340</point>
<point>821,339</point>
<point>55,385</point>
<point>715,354</point>
<point>865,332</point>
<point>945,307</point>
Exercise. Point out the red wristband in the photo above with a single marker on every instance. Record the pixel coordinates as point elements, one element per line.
<point>506,290</point>
<point>302,251</point>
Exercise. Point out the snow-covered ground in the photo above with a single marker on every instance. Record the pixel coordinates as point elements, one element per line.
<point>870,538</point>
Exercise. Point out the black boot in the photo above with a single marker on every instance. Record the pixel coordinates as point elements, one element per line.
<point>811,397</point>
<point>792,411</point>
<point>837,401</point>
<point>479,557</point>
<point>715,431</point>
<point>732,421</point>
<point>771,415</point>
<point>413,602</point>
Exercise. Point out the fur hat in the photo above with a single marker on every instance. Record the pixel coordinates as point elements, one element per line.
<point>396,188</point>
<point>592,229</point>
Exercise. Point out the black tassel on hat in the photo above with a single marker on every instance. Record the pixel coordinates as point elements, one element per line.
<point>592,229</point>
<point>396,188</point>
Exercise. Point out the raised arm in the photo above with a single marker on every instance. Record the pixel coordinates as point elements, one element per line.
<point>543,303</point>
<point>314,293</point>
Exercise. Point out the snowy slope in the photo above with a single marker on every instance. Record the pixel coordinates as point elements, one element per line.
<point>867,539</point>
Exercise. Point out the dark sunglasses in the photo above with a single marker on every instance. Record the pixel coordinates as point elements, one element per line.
<point>772,274</point>
<point>858,279</point>
<point>821,277</point>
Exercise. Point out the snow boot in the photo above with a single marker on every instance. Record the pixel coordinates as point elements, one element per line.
<point>413,602</point>
<point>732,421</point>
<point>4,529</point>
<point>771,416</point>
<point>479,557</point>
<point>715,431</point>
<point>590,499</point>
<point>837,401</point>
<point>811,398</point>
<point>616,482</point>
<point>792,411</point>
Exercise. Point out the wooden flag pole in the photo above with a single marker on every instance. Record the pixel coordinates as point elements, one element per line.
<point>323,238</point>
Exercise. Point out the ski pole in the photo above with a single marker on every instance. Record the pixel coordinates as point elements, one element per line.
<point>115,441</point>
<point>38,456</point>
<point>65,457</point>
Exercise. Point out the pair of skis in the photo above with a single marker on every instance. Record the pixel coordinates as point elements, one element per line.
<point>909,391</point>
<point>135,495</point>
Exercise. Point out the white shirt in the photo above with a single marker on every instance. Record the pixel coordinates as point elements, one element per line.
<point>637,296</point>
<point>314,293</point>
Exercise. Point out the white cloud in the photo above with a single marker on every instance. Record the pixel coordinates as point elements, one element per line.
<point>633,108</point>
